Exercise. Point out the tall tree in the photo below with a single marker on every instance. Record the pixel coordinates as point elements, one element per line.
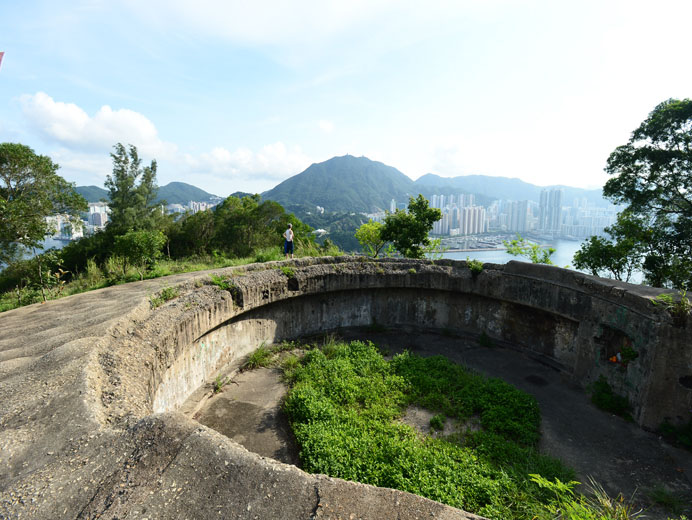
<point>132,191</point>
<point>408,230</point>
<point>30,190</point>
<point>652,175</point>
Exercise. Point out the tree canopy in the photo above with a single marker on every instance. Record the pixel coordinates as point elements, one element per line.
<point>408,230</point>
<point>652,175</point>
<point>30,190</point>
<point>132,192</point>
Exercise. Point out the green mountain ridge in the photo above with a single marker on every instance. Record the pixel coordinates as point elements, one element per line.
<point>172,193</point>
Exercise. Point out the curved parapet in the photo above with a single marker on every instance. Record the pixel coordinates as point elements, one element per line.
<point>91,385</point>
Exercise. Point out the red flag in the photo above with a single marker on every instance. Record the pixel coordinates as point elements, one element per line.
<point>1,55</point>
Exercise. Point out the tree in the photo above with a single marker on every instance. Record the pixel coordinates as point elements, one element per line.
<point>369,235</point>
<point>31,190</point>
<point>408,230</point>
<point>652,175</point>
<point>619,256</point>
<point>534,252</point>
<point>142,249</point>
<point>132,191</point>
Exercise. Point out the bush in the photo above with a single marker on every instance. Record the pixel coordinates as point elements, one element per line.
<point>603,396</point>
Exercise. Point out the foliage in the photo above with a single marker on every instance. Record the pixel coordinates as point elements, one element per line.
<point>219,383</point>
<point>141,249</point>
<point>408,230</point>
<point>369,236</point>
<point>476,266</point>
<point>652,175</point>
<point>259,358</point>
<point>30,190</point>
<point>287,271</point>
<point>225,284</point>
<point>605,398</point>
<point>663,496</point>
<point>565,504</point>
<point>132,193</point>
<point>619,256</point>
<point>344,405</point>
<point>522,247</point>
<point>164,295</point>
<point>437,422</point>
<point>678,308</point>
<point>680,434</point>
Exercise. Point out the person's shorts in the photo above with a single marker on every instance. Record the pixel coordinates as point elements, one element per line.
<point>288,247</point>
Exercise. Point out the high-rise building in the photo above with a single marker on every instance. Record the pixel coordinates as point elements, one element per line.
<point>550,210</point>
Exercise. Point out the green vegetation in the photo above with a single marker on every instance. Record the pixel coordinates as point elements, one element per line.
<point>369,236</point>
<point>522,247</point>
<point>30,191</point>
<point>565,504</point>
<point>679,308</point>
<point>408,230</point>
<point>476,266</point>
<point>437,422</point>
<point>262,357</point>
<point>287,271</point>
<point>219,383</point>
<point>664,497</point>
<point>652,176</point>
<point>164,295</point>
<point>140,242</point>
<point>605,398</point>
<point>345,403</point>
<point>681,435</point>
<point>485,341</point>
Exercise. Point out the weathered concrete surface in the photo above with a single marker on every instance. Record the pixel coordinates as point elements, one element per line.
<point>81,378</point>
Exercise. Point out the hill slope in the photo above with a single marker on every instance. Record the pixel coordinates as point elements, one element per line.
<point>503,188</point>
<point>344,184</point>
<point>172,193</point>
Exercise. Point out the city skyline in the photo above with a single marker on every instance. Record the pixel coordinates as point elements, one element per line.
<point>238,97</point>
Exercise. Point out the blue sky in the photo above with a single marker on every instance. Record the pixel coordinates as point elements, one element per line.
<point>234,95</point>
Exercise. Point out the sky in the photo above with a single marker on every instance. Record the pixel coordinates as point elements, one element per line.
<point>239,96</point>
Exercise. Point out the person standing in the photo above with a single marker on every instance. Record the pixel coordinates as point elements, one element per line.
<point>288,241</point>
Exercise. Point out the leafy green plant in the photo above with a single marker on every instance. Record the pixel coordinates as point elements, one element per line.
<point>679,308</point>
<point>412,270</point>
<point>287,271</point>
<point>437,422</point>
<point>605,398</point>
<point>662,496</point>
<point>680,435</point>
<point>259,358</point>
<point>225,284</point>
<point>219,383</point>
<point>565,504</point>
<point>344,405</point>
<point>164,295</point>
<point>476,266</point>
<point>534,252</point>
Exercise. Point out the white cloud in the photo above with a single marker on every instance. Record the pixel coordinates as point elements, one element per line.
<point>326,126</point>
<point>69,125</point>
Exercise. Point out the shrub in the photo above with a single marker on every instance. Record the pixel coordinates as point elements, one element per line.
<point>603,396</point>
<point>476,266</point>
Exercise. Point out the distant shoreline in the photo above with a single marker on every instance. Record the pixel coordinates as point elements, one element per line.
<point>472,250</point>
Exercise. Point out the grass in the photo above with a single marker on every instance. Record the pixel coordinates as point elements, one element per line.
<point>287,271</point>
<point>605,398</point>
<point>261,357</point>
<point>662,496</point>
<point>164,295</point>
<point>680,435</point>
<point>113,272</point>
<point>219,383</point>
<point>344,406</point>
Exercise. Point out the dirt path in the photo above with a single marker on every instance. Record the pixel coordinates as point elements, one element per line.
<point>617,454</point>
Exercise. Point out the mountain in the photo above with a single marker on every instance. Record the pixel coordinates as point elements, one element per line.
<point>172,193</point>
<point>182,193</point>
<point>344,184</point>
<point>92,193</point>
<point>503,188</point>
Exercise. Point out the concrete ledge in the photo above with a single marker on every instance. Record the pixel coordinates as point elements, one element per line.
<point>83,379</point>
